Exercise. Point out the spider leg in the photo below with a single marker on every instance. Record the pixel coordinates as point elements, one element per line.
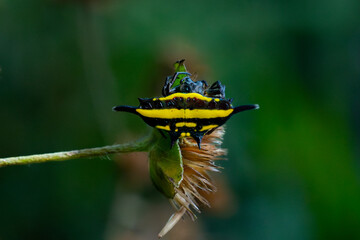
<point>167,85</point>
<point>162,134</point>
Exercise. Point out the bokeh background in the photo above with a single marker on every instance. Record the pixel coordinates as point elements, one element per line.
<point>293,166</point>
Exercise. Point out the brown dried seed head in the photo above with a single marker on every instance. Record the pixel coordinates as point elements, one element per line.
<point>196,182</point>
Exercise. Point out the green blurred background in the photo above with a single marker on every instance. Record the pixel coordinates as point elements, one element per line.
<point>293,166</point>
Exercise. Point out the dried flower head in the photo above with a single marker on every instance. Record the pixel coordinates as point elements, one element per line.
<point>196,183</point>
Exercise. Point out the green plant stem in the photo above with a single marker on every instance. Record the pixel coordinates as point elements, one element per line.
<point>138,146</point>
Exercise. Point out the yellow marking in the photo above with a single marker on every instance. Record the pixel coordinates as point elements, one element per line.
<point>154,99</point>
<point>183,134</point>
<point>167,128</point>
<point>187,95</point>
<point>162,113</point>
<point>176,130</point>
<point>217,100</point>
<point>208,127</point>
<point>185,124</point>
<point>184,113</point>
<point>188,134</point>
<point>207,113</point>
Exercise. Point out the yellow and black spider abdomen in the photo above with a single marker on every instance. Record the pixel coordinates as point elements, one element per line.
<point>187,108</point>
<point>185,114</point>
